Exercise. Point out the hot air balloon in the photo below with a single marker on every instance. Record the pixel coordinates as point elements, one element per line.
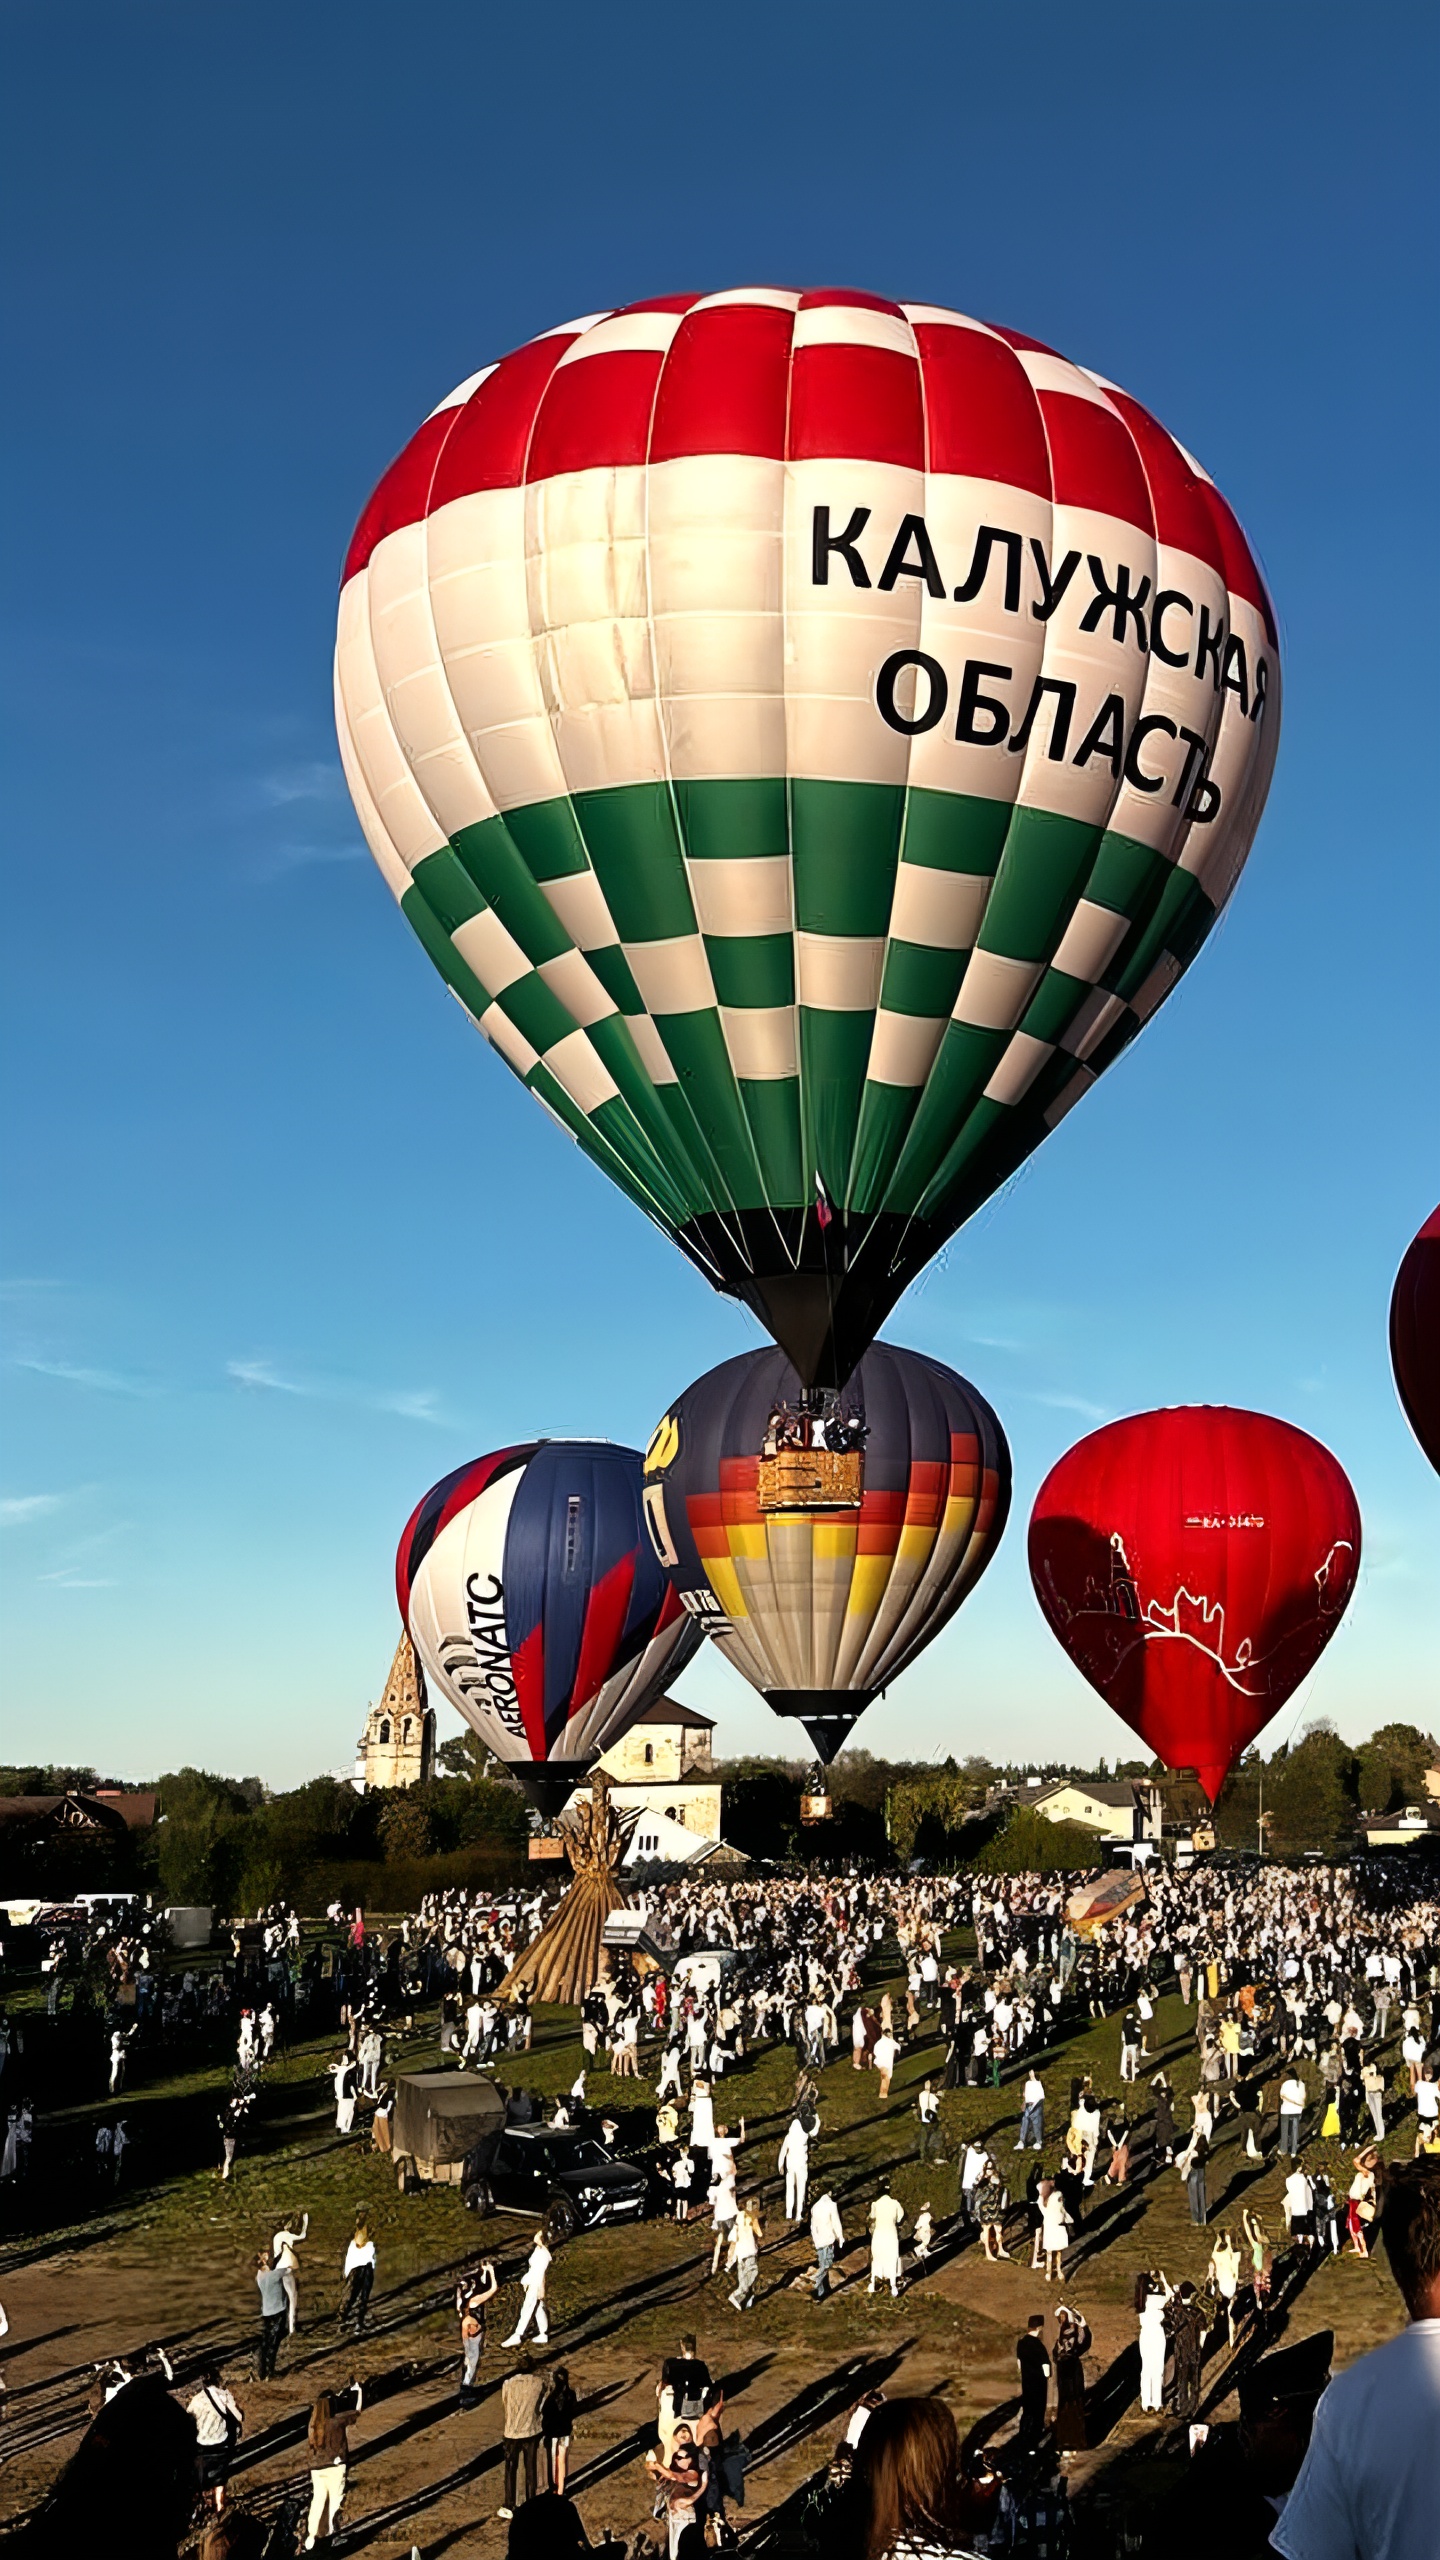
<point>1415,1337</point>
<point>1194,1564</point>
<point>533,1599</point>
<point>823,1539</point>
<point>811,735</point>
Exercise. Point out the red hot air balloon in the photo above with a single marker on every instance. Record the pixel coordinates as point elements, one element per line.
<point>1415,1337</point>
<point>1195,1563</point>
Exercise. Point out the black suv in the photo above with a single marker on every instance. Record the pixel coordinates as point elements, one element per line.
<point>564,2180</point>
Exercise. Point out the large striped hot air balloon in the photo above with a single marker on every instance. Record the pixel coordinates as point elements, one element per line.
<point>824,1541</point>
<point>811,735</point>
<point>533,1599</point>
<point>1194,1563</point>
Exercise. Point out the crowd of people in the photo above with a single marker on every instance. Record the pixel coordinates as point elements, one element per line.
<point>1313,1996</point>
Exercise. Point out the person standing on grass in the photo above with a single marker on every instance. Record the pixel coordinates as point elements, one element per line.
<point>745,2238</point>
<point>532,2294</point>
<point>794,2166</point>
<point>522,2399</point>
<point>557,2425</point>
<point>1154,2342</point>
<point>1185,2321</point>
<point>274,2310</point>
<point>359,2275</point>
<point>1054,2234</point>
<point>887,2215</point>
<point>1032,2112</point>
<point>218,2421</point>
<point>827,2236</point>
<point>342,2072</point>
<point>1293,2098</point>
<point>886,2055</point>
<point>680,2477</point>
<point>927,2108</point>
<point>472,2298</point>
<point>1033,2358</point>
<point>284,2246</point>
<point>329,2441</point>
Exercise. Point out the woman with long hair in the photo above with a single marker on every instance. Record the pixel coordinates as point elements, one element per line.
<point>907,2475</point>
<point>329,2442</point>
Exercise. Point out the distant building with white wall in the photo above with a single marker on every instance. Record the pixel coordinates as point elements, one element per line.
<point>664,1772</point>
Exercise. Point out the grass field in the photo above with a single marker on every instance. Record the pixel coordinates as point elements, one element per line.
<point>170,2257</point>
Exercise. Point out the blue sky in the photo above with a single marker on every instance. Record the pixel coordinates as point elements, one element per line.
<point>282,1241</point>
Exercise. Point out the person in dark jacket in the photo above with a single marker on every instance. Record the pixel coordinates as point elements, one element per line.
<point>557,2425</point>
<point>1033,2358</point>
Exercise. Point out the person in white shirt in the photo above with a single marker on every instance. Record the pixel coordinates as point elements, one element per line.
<point>359,2272</point>
<point>1369,2486</point>
<point>1292,2108</point>
<point>532,2297</point>
<point>1032,2113</point>
<point>284,2246</point>
<point>218,2421</point>
<point>793,2163</point>
<point>828,2236</point>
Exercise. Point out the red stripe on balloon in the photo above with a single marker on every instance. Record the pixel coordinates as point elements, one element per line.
<point>595,414</point>
<point>527,1662</point>
<point>981,416</point>
<point>1093,460</point>
<point>492,432</point>
<point>861,404</point>
<point>1177,492</point>
<point>403,496</point>
<point>1242,577</point>
<point>725,387</point>
<point>602,1630</point>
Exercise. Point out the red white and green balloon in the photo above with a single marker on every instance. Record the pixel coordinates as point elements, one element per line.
<point>811,735</point>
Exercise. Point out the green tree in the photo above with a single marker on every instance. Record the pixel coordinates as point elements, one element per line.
<point>1310,1793</point>
<point>1392,1765</point>
<point>1027,1842</point>
<point>403,1825</point>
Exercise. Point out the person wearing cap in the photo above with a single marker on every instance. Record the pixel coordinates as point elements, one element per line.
<point>1369,2486</point>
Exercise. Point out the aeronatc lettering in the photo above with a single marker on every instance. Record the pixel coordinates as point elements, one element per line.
<point>1169,626</point>
<point>1224,1519</point>
<point>479,1665</point>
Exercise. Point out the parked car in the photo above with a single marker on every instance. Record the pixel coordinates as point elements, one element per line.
<point>566,2181</point>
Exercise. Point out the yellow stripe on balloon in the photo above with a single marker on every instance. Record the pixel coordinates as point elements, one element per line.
<point>725,1583</point>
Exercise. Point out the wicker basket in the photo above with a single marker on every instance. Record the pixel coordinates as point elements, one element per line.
<point>811,1480</point>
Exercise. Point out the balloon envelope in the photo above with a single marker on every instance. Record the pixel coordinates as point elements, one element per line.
<point>534,1601</point>
<point>811,735</point>
<point>1415,1337</point>
<point>821,1570</point>
<point>1194,1563</point>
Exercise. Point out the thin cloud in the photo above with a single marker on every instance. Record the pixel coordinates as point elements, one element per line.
<point>411,1404</point>
<point>66,1579</point>
<point>18,1507</point>
<point>315,778</point>
<point>109,1382</point>
<point>1063,1403</point>
<point>278,859</point>
<point>260,1373</point>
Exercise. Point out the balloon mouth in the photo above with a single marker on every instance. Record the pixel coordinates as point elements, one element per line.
<point>828,1724</point>
<point>550,1784</point>
<point>827,1292</point>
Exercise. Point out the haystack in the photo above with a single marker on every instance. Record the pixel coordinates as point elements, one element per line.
<point>566,1960</point>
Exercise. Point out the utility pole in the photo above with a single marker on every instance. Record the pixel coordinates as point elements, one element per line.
<point>1260,1817</point>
